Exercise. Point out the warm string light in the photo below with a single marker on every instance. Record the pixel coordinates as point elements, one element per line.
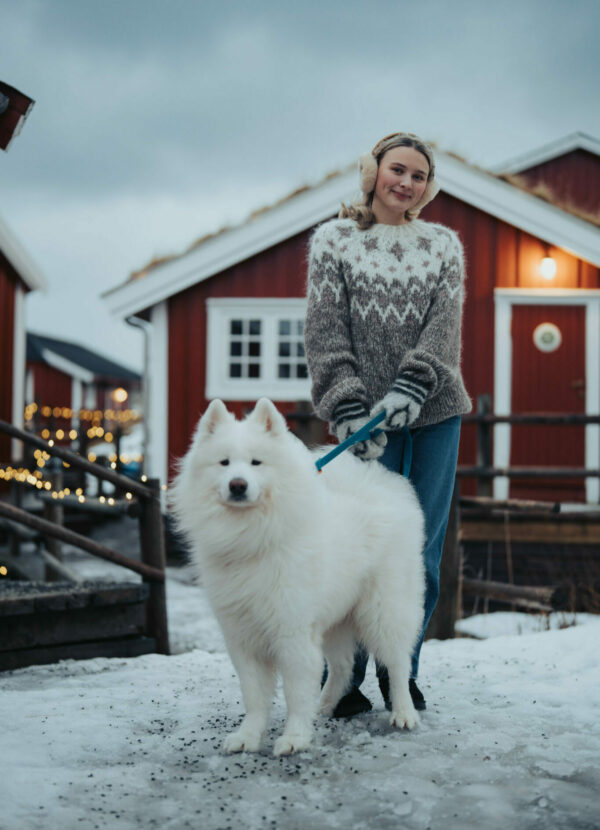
<point>94,415</point>
<point>24,476</point>
<point>73,435</point>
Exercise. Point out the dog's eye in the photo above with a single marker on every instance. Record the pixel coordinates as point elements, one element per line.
<point>224,462</point>
<point>255,462</point>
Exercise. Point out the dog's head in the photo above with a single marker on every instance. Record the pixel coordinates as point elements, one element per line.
<point>238,461</point>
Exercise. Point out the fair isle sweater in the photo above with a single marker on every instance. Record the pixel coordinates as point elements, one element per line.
<point>385,303</point>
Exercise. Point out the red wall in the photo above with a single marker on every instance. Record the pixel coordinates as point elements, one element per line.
<point>277,272</point>
<point>497,255</point>
<point>573,180</point>
<point>51,387</point>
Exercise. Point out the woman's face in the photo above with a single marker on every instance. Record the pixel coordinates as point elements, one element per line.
<point>401,181</point>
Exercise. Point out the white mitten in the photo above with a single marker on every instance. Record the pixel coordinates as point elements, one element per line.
<point>402,404</point>
<point>348,418</point>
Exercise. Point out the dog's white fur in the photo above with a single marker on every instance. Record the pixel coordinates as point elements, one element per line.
<point>299,565</point>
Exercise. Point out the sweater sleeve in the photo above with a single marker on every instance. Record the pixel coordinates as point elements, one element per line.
<point>328,342</point>
<point>436,357</point>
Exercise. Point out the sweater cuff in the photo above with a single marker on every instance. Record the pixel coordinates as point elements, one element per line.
<point>348,411</point>
<point>409,384</point>
<point>349,389</point>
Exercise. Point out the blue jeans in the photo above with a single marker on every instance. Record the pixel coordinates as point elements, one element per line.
<point>432,473</point>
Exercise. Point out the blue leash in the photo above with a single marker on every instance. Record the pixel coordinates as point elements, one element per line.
<point>363,434</point>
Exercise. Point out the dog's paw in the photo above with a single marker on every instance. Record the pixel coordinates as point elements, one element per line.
<point>241,741</point>
<point>287,744</point>
<point>326,708</point>
<point>404,719</point>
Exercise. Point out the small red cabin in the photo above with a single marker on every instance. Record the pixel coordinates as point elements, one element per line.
<point>226,316</point>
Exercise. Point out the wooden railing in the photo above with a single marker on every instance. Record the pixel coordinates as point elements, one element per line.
<point>454,585</point>
<point>145,502</point>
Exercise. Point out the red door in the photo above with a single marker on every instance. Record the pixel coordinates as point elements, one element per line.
<point>548,377</point>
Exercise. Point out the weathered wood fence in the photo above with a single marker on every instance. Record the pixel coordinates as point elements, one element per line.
<point>144,503</point>
<point>483,506</point>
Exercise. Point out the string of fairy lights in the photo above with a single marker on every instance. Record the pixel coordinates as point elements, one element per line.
<point>91,427</point>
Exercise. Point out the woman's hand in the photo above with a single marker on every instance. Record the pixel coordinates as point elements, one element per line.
<point>402,404</point>
<point>348,418</point>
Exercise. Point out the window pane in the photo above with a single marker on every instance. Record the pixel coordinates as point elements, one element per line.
<point>284,370</point>
<point>254,349</point>
<point>284,349</point>
<point>299,350</point>
<point>300,327</point>
<point>302,370</point>
<point>235,370</point>
<point>235,327</point>
<point>255,327</point>
<point>285,328</point>
<point>254,370</point>
<point>235,348</point>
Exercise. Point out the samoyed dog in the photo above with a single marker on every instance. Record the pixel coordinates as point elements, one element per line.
<point>299,566</point>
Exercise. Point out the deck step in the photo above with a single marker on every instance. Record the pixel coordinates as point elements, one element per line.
<point>43,622</point>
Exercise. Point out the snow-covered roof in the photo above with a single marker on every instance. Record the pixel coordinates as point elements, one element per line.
<point>547,152</point>
<point>310,205</point>
<point>75,360</point>
<point>20,260</point>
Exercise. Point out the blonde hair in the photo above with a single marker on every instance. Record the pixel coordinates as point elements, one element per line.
<point>360,209</point>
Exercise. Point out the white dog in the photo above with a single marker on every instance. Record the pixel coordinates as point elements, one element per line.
<point>298,566</point>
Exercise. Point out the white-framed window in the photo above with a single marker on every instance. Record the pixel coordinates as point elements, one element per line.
<point>255,347</point>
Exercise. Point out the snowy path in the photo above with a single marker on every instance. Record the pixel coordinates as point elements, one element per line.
<point>511,739</point>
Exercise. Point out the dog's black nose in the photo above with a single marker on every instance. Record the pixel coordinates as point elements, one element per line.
<point>238,487</point>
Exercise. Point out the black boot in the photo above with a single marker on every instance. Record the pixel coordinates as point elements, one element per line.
<point>352,704</point>
<point>415,693</point>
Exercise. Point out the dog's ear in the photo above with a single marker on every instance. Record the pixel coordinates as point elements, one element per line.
<point>265,414</point>
<point>215,414</point>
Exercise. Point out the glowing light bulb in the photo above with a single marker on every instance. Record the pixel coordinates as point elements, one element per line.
<point>548,268</point>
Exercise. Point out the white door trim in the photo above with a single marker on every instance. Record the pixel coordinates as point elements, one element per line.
<point>504,300</point>
<point>158,380</point>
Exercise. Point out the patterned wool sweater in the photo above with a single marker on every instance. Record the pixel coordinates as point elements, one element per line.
<point>385,303</point>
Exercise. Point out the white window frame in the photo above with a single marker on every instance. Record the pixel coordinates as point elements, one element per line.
<point>220,312</point>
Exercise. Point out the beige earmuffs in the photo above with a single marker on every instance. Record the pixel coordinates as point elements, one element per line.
<point>368,166</point>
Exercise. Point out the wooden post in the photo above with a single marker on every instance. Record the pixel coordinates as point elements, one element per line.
<point>308,428</point>
<point>54,512</point>
<point>484,444</point>
<point>16,492</point>
<point>448,609</point>
<point>152,537</point>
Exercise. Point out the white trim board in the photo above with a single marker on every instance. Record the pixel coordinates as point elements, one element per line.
<point>157,464</point>
<point>19,369</point>
<point>504,300</point>
<point>67,366</point>
<point>471,185</point>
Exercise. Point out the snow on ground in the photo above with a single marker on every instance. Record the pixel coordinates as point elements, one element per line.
<point>510,739</point>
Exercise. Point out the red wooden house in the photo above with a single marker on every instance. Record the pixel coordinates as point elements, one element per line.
<point>18,275</point>
<point>226,315</point>
<point>65,375</point>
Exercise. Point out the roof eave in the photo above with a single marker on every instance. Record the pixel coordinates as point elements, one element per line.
<point>227,249</point>
<point>457,178</point>
<point>20,260</point>
<point>552,150</point>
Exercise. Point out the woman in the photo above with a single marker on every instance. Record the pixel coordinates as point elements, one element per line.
<point>385,296</point>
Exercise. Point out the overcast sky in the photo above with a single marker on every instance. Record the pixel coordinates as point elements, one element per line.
<point>157,122</point>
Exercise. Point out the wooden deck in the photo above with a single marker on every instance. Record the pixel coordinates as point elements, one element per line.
<point>46,622</point>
